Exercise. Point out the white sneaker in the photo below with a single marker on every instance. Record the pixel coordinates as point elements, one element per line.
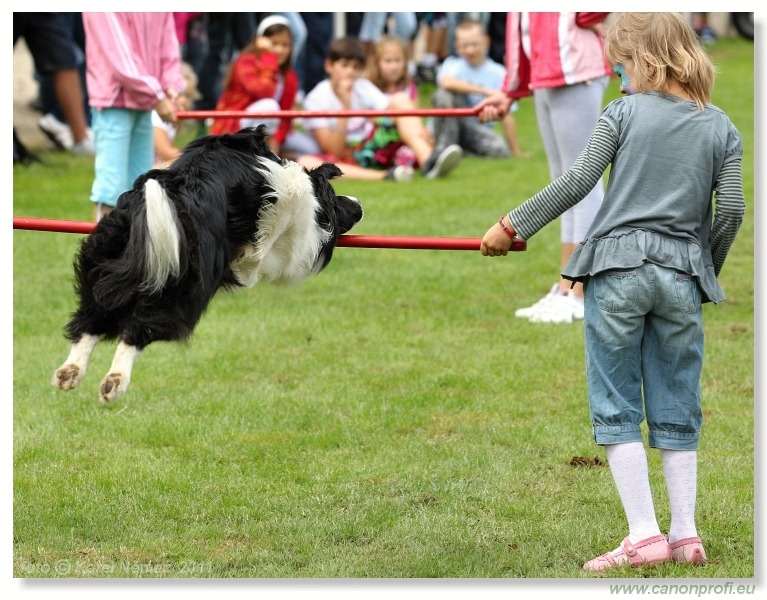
<point>399,173</point>
<point>57,132</point>
<point>561,308</point>
<point>577,305</point>
<point>84,147</point>
<point>529,311</point>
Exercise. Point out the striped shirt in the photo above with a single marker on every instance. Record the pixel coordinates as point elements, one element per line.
<point>667,159</point>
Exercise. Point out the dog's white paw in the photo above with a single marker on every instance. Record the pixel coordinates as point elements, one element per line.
<point>68,376</point>
<point>113,386</point>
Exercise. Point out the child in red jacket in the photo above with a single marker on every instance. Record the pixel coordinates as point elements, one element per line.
<point>260,80</point>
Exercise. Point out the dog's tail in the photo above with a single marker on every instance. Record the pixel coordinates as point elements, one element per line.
<point>162,258</point>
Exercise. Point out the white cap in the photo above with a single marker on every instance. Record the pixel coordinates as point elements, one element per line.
<point>271,20</point>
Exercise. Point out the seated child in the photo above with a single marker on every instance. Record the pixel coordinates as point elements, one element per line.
<point>164,134</point>
<point>462,82</point>
<point>261,80</point>
<point>388,69</point>
<point>362,147</point>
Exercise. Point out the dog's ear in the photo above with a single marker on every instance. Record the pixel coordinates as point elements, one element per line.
<point>255,137</point>
<point>328,171</point>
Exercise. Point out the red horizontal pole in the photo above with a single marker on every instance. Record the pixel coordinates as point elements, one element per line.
<point>308,114</point>
<point>349,241</point>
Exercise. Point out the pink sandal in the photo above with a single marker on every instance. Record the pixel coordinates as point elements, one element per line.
<point>688,551</point>
<point>650,551</point>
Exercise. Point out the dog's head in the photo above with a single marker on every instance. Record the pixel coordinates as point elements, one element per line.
<point>299,220</point>
<point>336,214</point>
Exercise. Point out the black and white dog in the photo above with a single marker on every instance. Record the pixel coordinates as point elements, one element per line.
<point>227,213</point>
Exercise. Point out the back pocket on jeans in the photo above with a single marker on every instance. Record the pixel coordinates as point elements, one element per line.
<point>616,291</point>
<point>687,292</point>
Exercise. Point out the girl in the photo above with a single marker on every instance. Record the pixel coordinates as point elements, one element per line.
<point>650,258</point>
<point>261,79</point>
<point>387,69</point>
<point>133,66</point>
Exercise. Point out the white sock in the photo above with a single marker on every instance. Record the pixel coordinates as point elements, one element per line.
<point>680,467</point>
<point>628,464</point>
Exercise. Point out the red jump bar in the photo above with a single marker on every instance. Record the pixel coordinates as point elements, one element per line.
<point>348,241</point>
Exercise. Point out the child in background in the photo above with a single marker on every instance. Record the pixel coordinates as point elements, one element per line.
<point>133,66</point>
<point>388,69</point>
<point>165,150</point>
<point>462,82</point>
<point>650,258</point>
<point>362,148</point>
<point>261,79</point>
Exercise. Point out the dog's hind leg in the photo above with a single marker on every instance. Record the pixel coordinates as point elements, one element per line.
<point>69,375</point>
<point>116,383</point>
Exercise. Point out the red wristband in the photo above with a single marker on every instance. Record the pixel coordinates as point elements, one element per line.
<point>506,230</point>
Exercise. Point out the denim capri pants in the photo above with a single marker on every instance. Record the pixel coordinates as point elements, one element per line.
<point>644,355</point>
<point>124,150</point>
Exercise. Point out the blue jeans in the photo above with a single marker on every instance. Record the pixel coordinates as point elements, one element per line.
<point>124,150</point>
<point>644,355</point>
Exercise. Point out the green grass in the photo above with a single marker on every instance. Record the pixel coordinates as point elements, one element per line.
<point>386,419</point>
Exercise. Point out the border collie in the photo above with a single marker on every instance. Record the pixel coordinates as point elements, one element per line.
<point>226,214</point>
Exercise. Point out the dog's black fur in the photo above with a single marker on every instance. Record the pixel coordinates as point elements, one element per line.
<point>241,214</point>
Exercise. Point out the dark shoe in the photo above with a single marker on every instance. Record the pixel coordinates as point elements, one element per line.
<point>21,154</point>
<point>424,74</point>
<point>441,162</point>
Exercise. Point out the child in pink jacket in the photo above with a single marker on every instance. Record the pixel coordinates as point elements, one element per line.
<point>133,66</point>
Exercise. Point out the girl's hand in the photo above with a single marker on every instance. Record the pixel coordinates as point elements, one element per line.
<point>494,107</point>
<point>263,44</point>
<point>495,242</point>
<point>181,102</point>
<point>165,109</point>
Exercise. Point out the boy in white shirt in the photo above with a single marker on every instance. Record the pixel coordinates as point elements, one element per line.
<point>362,147</point>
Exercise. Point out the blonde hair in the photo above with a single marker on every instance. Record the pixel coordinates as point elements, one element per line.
<point>191,91</point>
<point>663,48</point>
<point>469,24</point>
<point>373,71</point>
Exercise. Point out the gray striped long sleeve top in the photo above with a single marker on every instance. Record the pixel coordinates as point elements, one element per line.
<point>668,160</point>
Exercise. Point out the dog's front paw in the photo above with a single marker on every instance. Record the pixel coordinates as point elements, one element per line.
<point>68,377</point>
<point>113,386</point>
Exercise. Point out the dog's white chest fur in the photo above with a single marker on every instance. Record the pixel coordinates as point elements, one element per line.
<point>288,239</point>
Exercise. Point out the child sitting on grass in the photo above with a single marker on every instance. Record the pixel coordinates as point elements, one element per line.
<point>387,68</point>
<point>165,149</point>
<point>462,82</point>
<point>364,148</point>
<point>261,80</point>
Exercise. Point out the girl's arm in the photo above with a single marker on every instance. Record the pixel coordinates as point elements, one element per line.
<point>562,193</point>
<point>730,208</point>
<point>571,187</point>
<point>163,146</point>
<point>257,75</point>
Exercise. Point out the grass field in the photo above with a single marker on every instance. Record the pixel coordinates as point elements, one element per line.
<point>388,419</point>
